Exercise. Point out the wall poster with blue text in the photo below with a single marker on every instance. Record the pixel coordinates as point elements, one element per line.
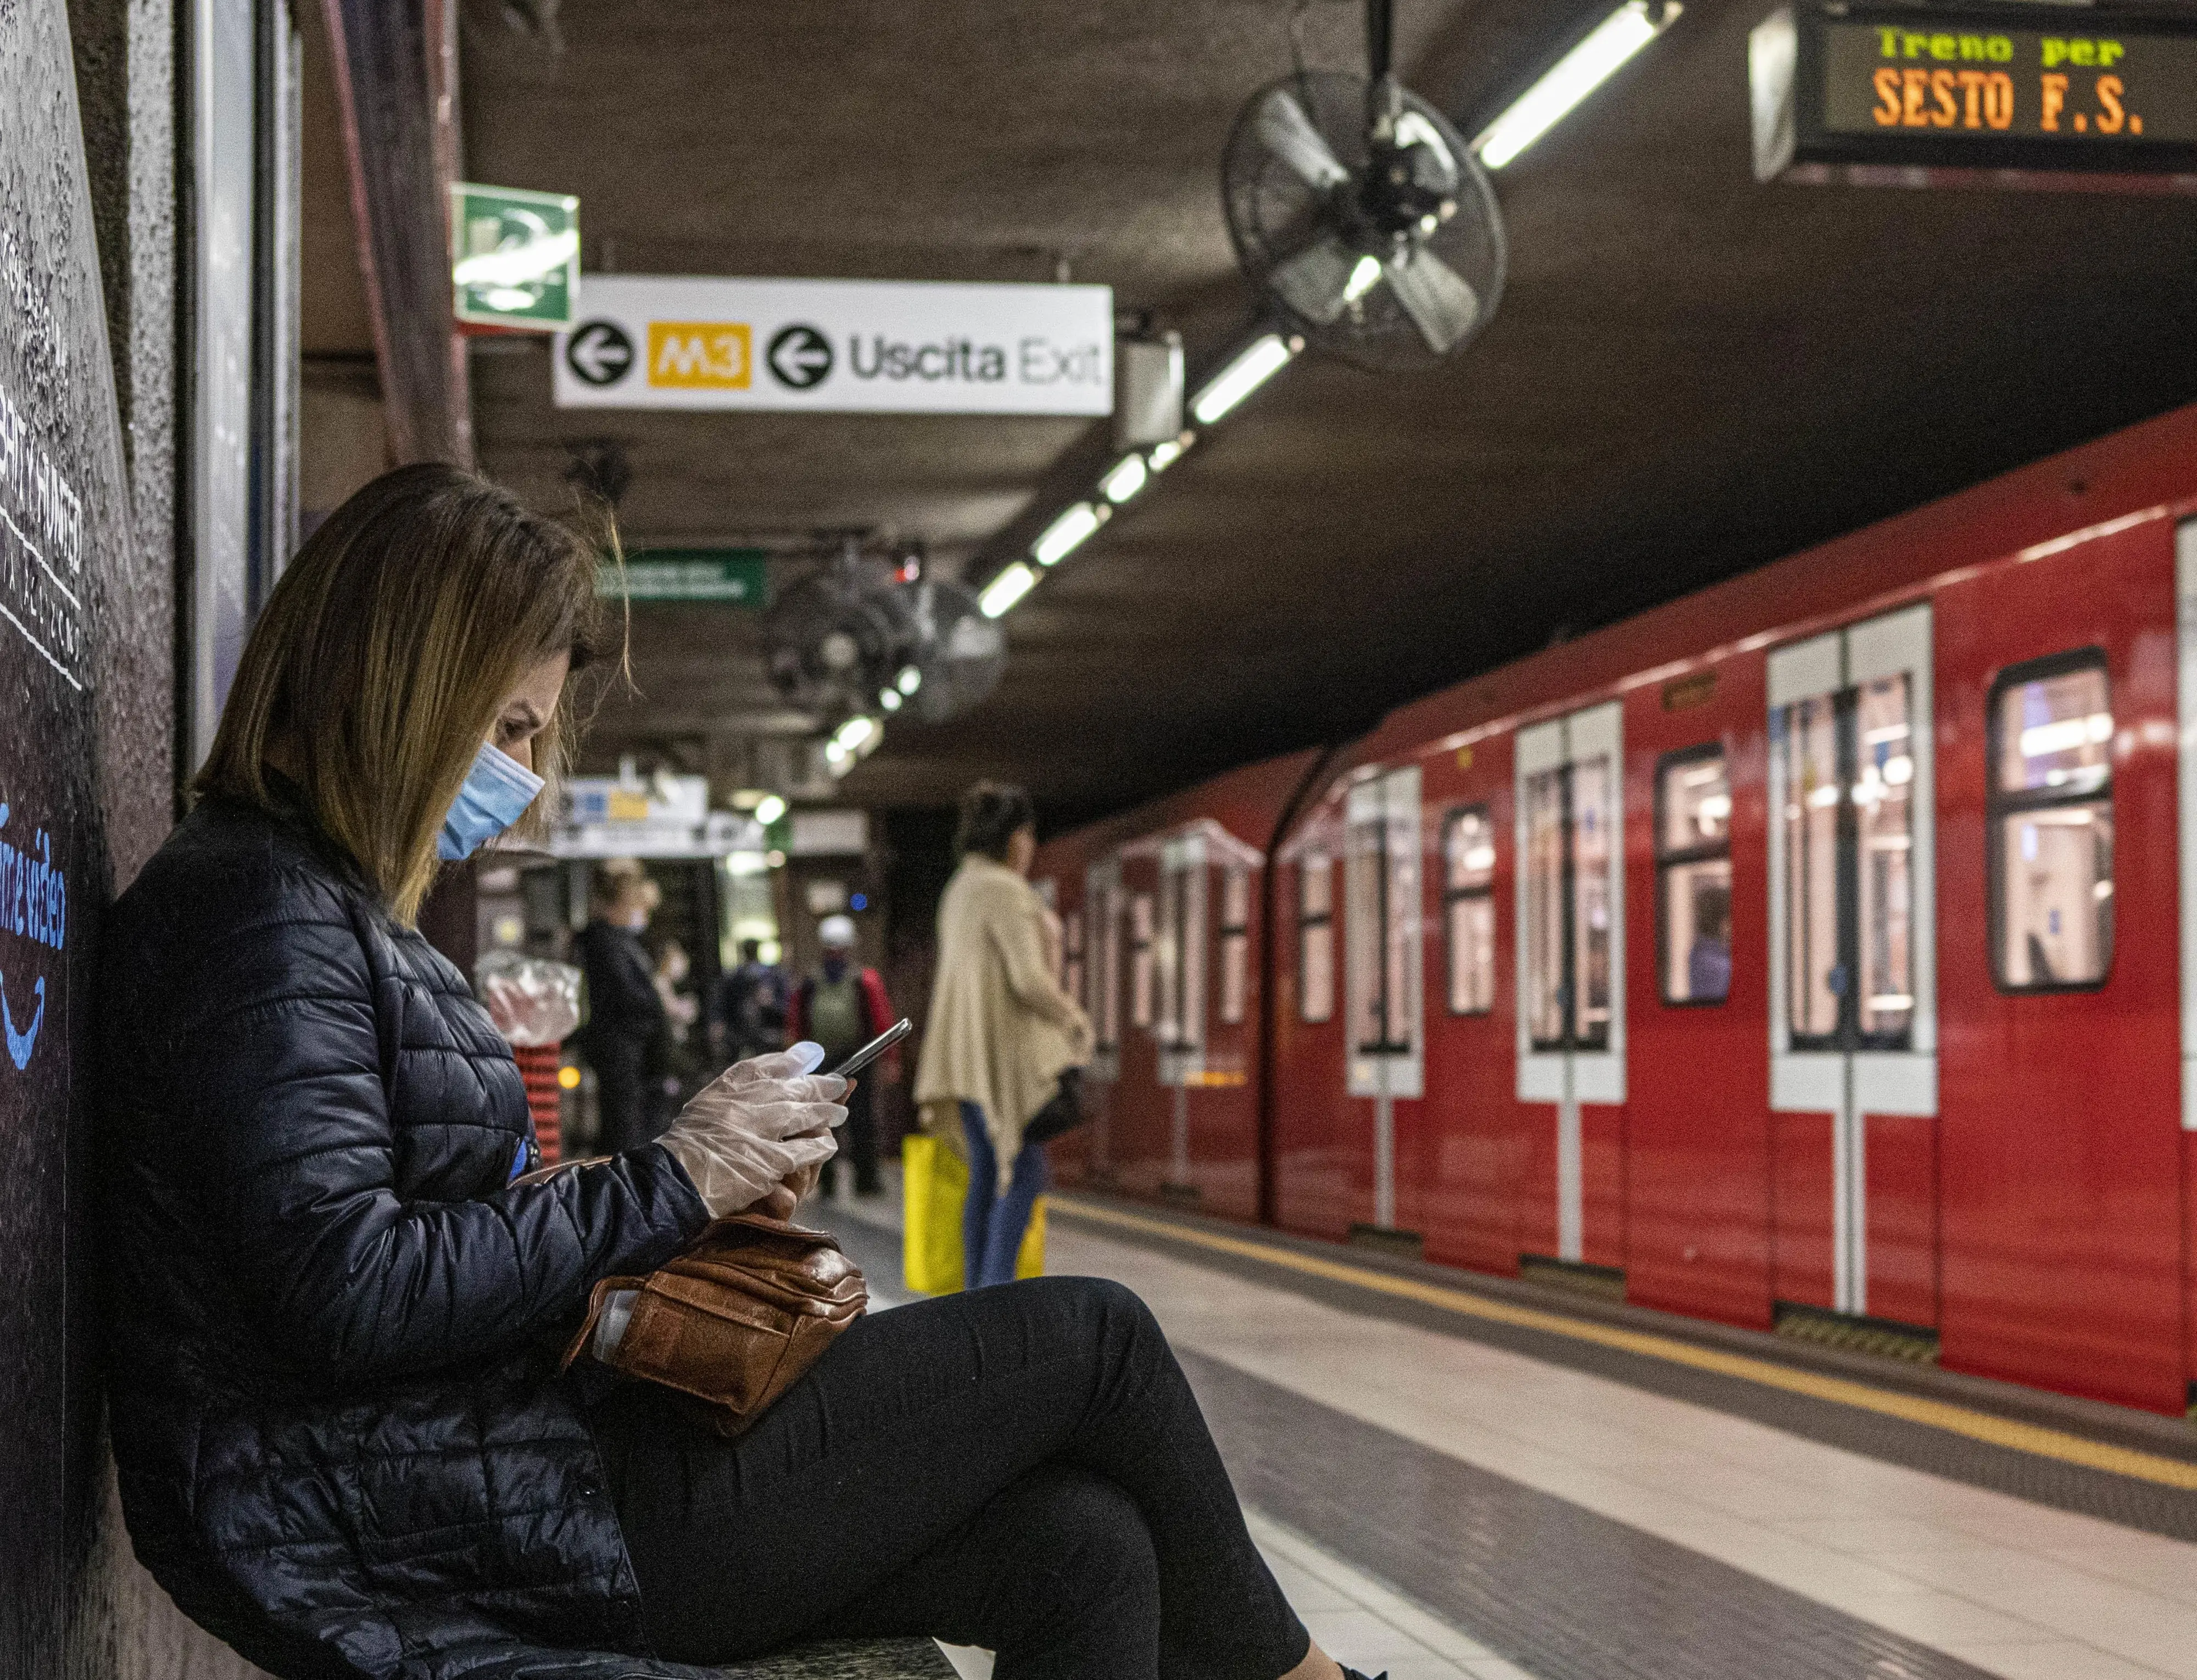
<point>60,509</point>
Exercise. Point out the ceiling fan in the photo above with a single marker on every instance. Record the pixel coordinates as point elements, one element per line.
<point>1358,208</point>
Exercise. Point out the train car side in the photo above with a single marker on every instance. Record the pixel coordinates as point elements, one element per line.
<point>1168,905</point>
<point>1770,958</point>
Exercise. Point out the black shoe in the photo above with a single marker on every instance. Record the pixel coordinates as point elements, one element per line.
<point>1352,1674</point>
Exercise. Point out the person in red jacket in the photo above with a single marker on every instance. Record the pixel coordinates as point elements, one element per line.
<point>842,1009</point>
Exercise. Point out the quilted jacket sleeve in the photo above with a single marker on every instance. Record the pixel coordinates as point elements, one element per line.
<point>278,1064</point>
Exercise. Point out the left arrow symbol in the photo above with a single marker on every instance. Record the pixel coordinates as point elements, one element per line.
<point>599,353</point>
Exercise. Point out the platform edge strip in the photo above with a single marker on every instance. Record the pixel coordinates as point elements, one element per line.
<point>1979,1426</point>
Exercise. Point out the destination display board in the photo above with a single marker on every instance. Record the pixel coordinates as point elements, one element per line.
<point>2094,89</point>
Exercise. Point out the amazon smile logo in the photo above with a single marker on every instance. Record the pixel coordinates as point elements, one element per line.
<point>33,906</point>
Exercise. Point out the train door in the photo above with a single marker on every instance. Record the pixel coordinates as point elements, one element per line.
<point>1381,973</point>
<point>1102,942</point>
<point>1571,1000</point>
<point>1178,953</point>
<point>1459,1152</point>
<point>1853,1027</point>
<point>1322,1173</point>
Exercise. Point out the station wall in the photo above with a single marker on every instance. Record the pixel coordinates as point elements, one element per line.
<point>89,372</point>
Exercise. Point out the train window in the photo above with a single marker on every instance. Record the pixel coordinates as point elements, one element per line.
<point>1591,841</point>
<point>1235,944</point>
<point>1546,868</point>
<point>1140,961</point>
<point>1316,937</point>
<point>1693,868</point>
<point>1568,906</point>
<point>1884,821</point>
<point>1167,944</point>
<point>1848,768</point>
<point>2052,824</point>
<point>1381,880</point>
<point>1366,882</point>
<point>1179,950</point>
<point>1813,796</point>
<point>1468,909</point>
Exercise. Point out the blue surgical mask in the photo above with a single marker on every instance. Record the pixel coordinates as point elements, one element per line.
<point>496,792</point>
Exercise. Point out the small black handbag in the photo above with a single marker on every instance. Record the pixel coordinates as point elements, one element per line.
<point>1063,1112</point>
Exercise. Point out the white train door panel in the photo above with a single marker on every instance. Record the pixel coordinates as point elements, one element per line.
<point>1571,934</point>
<point>1383,980</point>
<point>1853,1020</point>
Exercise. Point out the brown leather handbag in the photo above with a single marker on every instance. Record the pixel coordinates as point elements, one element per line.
<point>736,1319</point>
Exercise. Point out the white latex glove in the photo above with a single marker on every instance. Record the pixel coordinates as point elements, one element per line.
<point>756,1126</point>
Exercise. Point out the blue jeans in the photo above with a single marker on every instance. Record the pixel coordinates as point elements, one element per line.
<point>992,1225</point>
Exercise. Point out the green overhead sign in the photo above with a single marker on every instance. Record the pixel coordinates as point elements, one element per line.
<point>727,576</point>
<point>514,257</point>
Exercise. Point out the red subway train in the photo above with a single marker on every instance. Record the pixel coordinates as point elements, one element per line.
<point>1818,951</point>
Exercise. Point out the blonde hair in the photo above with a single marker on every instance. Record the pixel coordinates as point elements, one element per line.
<point>377,667</point>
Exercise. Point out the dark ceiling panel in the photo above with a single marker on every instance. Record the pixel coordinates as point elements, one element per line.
<point>1691,375</point>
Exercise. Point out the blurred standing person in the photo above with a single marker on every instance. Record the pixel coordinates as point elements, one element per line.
<point>1001,1031</point>
<point>674,1064</point>
<point>673,966</point>
<point>843,1009</point>
<point>625,1015</point>
<point>750,1018</point>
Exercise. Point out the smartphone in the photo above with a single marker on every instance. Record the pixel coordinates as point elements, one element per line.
<point>876,1047</point>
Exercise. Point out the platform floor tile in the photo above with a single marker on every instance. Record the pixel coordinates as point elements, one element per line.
<point>1362,1622</point>
<point>1979,1579</point>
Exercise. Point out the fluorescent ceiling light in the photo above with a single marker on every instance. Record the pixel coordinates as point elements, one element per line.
<point>833,752</point>
<point>1260,360</point>
<point>769,809</point>
<point>1063,534</point>
<point>1005,590</point>
<point>1578,74</point>
<point>1164,455</point>
<point>854,732</point>
<point>909,680</point>
<point>1127,478</point>
<point>889,699</point>
<point>1366,276</point>
<point>746,863</point>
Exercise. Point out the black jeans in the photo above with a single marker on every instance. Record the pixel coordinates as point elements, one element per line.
<point>858,1142</point>
<point>625,1104</point>
<point>1021,1467</point>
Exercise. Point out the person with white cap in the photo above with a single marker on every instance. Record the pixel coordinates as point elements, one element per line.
<point>842,1009</point>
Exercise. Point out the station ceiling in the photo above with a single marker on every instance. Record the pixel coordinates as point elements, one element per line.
<point>1691,375</point>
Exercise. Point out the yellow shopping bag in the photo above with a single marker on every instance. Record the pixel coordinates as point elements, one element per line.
<point>935,1184</point>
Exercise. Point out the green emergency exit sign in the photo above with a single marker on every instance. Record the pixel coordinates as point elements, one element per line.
<point>515,257</point>
<point>725,577</point>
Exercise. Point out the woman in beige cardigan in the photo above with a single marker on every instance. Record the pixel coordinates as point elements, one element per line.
<point>1001,1031</point>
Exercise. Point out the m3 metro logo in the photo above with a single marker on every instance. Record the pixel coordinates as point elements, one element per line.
<point>701,354</point>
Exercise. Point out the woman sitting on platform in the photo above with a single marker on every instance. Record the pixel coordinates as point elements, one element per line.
<point>335,1310</point>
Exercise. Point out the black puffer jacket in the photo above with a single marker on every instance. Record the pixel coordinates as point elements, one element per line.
<point>342,1442</point>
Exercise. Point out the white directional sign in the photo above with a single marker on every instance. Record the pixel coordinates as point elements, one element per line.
<point>682,341</point>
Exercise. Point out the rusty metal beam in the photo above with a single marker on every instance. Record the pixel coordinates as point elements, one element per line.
<point>396,72</point>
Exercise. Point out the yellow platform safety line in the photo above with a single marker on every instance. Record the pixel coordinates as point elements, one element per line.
<point>1980,1426</point>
